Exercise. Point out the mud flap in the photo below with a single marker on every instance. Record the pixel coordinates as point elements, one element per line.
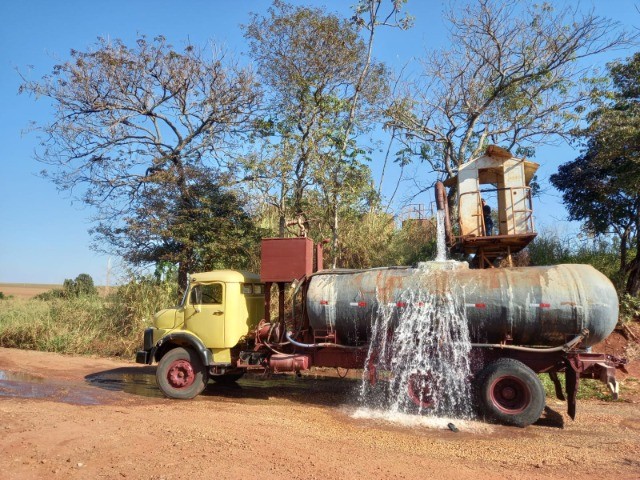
<point>572,383</point>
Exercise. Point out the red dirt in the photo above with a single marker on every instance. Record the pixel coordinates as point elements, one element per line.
<point>57,424</point>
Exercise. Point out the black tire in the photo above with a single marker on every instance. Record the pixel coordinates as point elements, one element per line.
<point>181,374</point>
<point>228,378</point>
<point>509,392</point>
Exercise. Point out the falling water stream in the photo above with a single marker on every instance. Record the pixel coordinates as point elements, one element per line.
<point>441,255</point>
<point>420,345</point>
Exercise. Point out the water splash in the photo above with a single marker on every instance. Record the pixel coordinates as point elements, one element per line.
<point>422,421</point>
<point>420,344</point>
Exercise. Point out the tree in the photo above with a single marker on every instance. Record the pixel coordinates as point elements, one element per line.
<point>324,90</point>
<point>508,77</point>
<point>211,230</point>
<point>82,285</point>
<point>130,122</point>
<point>602,186</point>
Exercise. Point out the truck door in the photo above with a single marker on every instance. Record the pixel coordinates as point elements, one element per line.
<point>204,313</point>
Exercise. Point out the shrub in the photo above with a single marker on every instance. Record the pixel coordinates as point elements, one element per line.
<point>629,308</point>
<point>549,248</point>
<point>588,388</point>
<point>131,307</point>
<point>81,286</point>
<point>84,323</point>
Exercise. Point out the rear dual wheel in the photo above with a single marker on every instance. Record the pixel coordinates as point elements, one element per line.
<point>509,392</point>
<point>181,374</point>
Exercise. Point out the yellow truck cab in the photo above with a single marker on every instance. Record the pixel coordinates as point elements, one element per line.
<point>199,339</point>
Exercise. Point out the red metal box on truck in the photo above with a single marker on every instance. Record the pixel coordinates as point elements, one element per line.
<point>285,259</point>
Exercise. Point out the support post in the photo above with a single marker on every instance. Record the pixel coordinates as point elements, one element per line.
<point>281,309</point>
<point>267,301</point>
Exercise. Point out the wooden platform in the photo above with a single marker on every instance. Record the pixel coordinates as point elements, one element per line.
<point>489,248</point>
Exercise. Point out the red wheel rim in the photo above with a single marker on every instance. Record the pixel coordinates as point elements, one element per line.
<point>420,391</point>
<point>510,395</point>
<point>181,374</point>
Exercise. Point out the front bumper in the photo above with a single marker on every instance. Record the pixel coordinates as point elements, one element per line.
<point>146,355</point>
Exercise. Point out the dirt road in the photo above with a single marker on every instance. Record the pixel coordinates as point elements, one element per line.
<point>76,417</point>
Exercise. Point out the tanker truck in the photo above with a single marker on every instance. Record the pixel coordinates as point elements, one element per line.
<point>521,321</point>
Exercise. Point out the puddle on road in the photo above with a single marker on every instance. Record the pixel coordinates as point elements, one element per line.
<point>141,382</point>
<point>24,385</point>
<point>100,387</point>
<point>19,377</point>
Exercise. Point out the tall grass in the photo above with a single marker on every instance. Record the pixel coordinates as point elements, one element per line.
<point>85,324</point>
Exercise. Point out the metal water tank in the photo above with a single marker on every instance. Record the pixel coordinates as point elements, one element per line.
<point>530,306</point>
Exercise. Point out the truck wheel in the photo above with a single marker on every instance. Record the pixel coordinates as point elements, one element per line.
<point>509,392</point>
<point>420,390</point>
<point>227,378</point>
<point>180,374</point>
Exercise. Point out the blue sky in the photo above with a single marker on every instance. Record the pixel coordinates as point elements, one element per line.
<point>43,238</point>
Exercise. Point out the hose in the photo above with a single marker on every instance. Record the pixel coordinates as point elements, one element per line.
<point>316,345</point>
<point>567,346</point>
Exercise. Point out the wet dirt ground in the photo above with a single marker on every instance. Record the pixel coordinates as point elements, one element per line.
<point>78,417</point>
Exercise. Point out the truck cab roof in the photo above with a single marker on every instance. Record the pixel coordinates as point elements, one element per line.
<point>226,276</point>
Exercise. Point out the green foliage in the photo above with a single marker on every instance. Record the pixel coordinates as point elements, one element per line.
<point>602,186</point>
<point>204,230</point>
<point>81,286</point>
<point>323,91</point>
<point>549,248</point>
<point>629,308</point>
<point>86,324</point>
<point>588,388</point>
<point>65,325</point>
<point>365,240</point>
<point>414,242</point>
<point>132,305</point>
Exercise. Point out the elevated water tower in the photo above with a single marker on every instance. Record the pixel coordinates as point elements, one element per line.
<point>498,173</point>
